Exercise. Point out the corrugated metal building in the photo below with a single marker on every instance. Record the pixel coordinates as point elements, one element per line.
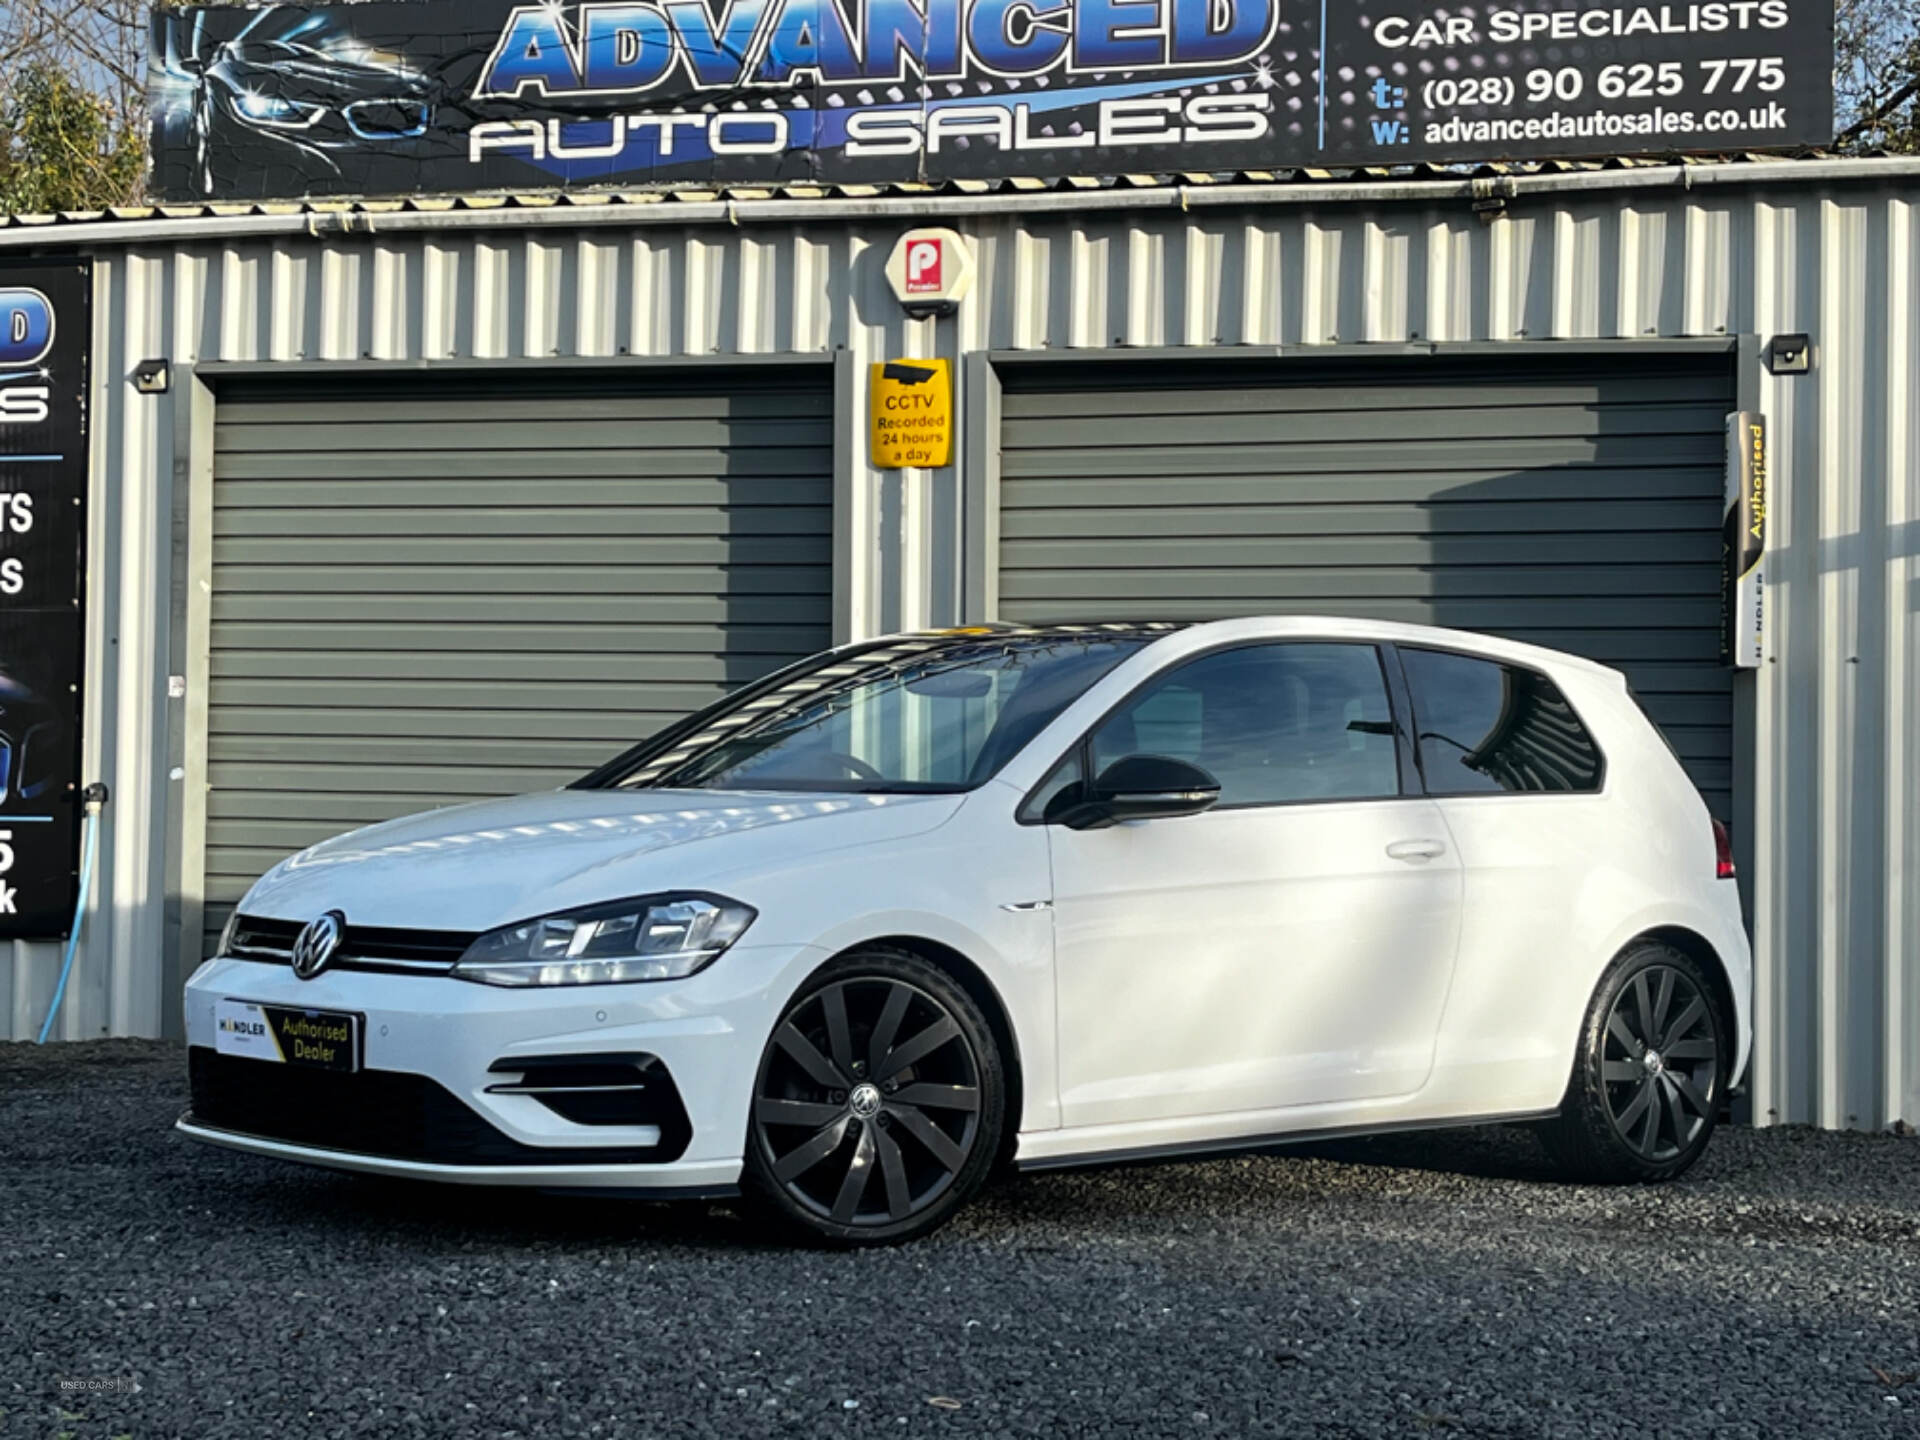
<point>323,589</point>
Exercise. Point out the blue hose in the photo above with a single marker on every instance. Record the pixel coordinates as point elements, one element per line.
<point>79,912</point>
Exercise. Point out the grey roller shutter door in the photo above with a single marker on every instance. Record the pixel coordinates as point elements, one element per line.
<point>1567,502</point>
<point>428,595</point>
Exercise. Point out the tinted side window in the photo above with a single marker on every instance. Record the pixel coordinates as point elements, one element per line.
<point>1484,726</point>
<point>1271,723</point>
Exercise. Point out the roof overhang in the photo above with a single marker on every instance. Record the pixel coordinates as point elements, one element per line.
<point>1488,188</point>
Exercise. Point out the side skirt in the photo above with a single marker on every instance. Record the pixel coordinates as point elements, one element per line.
<point>663,1194</point>
<point>1240,1144</point>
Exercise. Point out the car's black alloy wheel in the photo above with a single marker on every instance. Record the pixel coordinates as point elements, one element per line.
<point>1659,1063</point>
<point>878,1107</point>
<point>1647,1081</point>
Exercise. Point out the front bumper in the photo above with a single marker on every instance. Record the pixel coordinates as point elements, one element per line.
<point>428,1101</point>
<point>678,1181</point>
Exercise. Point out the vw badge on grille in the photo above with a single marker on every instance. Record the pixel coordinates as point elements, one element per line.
<point>314,946</point>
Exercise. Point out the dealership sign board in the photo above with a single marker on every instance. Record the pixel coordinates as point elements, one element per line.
<point>438,96</point>
<point>45,336</point>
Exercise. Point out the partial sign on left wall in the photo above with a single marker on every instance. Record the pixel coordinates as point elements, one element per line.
<point>45,340</point>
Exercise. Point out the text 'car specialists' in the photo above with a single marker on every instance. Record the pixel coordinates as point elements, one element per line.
<point>389,97</point>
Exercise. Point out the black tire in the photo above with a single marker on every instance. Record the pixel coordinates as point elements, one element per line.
<point>882,1063</point>
<point>1648,1075</point>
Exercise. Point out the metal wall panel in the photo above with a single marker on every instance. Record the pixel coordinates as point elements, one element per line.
<point>1829,250</point>
<point>460,590</point>
<point>1572,502</point>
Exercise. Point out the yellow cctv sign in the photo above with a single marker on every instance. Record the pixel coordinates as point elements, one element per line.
<point>911,414</point>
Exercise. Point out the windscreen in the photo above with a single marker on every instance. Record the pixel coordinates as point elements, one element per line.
<point>928,713</point>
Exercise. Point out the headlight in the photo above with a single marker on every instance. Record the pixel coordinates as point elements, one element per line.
<point>275,110</point>
<point>654,937</point>
<point>226,934</point>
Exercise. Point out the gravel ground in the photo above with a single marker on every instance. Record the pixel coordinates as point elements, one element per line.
<point>1417,1287</point>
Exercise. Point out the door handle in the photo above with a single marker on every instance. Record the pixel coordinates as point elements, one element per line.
<point>1416,852</point>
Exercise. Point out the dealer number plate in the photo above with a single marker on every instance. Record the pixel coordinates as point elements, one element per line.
<point>320,1039</point>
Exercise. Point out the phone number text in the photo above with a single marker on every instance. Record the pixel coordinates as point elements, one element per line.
<point>1646,81</point>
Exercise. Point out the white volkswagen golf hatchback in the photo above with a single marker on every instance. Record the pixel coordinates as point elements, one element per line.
<point>910,911</point>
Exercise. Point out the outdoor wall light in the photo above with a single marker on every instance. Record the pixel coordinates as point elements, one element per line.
<point>1789,355</point>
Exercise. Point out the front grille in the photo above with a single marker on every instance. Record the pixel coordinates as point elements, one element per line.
<point>362,947</point>
<point>389,1113</point>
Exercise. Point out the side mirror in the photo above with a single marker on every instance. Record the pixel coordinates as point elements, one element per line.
<point>1141,787</point>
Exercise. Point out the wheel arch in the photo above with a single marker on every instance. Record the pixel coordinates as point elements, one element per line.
<point>965,973</point>
<point>1701,951</point>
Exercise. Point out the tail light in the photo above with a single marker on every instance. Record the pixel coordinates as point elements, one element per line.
<point>1722,852</point>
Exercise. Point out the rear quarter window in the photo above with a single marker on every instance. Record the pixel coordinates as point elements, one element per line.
<point>1483,727</point>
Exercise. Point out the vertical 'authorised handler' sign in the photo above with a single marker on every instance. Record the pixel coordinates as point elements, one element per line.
<point>45,339</point>
<point>443,96</point>
<point>1743,543</point>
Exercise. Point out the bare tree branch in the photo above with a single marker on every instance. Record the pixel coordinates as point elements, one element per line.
<point>1880,114</point>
